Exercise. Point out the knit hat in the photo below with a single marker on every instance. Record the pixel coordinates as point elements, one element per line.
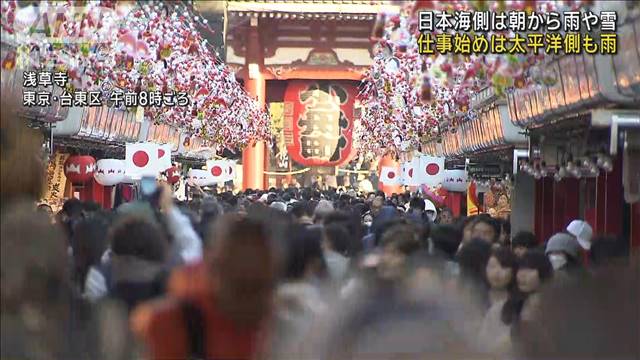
<point>582,231</point>
<point>278,206</point>
<point>563,242</point>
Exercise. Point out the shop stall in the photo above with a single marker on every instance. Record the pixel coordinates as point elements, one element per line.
<point>583,130</point>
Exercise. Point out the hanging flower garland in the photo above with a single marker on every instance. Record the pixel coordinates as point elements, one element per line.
<point>409,98</point>
<point>146,49</point>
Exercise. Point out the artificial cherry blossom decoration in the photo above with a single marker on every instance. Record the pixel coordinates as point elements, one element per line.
<point>408,97</point>
<point>143,47</point>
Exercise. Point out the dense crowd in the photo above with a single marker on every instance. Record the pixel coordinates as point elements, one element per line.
<point>304,273</point>
<point>297,274</point>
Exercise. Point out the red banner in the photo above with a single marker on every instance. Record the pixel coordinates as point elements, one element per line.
<point>318,121</point>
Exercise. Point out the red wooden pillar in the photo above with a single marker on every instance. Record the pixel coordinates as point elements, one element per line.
<point>253,156</point>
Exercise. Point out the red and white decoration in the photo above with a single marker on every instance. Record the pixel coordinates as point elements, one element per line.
<point>216,169</point>
<point>109,172</point>
<point>141,47</point>
<point>79,169</point>
<point>431,170</point>
<point>410,173</point>
<point>199,177</point>
<point>164,157</point>
<point>390,176</point>
<point>455,180</point>
<point>173,175</point>
<point>142,160</point>
<point>221,170</point>
<point>230,170</point>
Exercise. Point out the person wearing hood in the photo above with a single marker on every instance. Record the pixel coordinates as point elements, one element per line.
<point>430,210</point>
<point>563,251</point>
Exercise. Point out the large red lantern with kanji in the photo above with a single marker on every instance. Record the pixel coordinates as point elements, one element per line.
<point>318,122</point>
<point>79,169</point>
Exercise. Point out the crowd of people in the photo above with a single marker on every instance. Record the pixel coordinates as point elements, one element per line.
<point>298,274</point>
<point>303,273</point>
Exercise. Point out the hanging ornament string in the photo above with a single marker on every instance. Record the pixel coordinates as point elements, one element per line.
<point>410,98</point>
<point>287,173</point>
<point>146,47</point>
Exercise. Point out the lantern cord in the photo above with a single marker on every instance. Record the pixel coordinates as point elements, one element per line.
<point>288,172</point>
<point>364,172</point>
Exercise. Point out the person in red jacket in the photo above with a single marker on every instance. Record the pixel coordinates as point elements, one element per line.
<point>217,309</point>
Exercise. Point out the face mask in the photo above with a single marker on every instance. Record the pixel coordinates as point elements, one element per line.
<point>557,261</point>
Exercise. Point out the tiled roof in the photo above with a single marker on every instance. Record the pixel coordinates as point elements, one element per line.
<point>313,6</point>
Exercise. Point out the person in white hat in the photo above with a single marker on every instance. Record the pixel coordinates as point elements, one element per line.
<point>430,210</point>
<point>582,231</point>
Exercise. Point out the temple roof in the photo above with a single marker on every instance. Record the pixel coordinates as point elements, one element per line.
<point>316,7</point>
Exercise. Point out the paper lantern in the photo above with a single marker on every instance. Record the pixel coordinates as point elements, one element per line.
<point>455,180</point>
<point>109,172</point>
<point>318,123</point>
<point>173,175</point>
<point>199,177</point>
<point>79,169</point>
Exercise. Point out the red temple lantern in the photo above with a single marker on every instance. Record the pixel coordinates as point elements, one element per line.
<point>173,175</point>
<point>79,169</point>
<point>318,122</point>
